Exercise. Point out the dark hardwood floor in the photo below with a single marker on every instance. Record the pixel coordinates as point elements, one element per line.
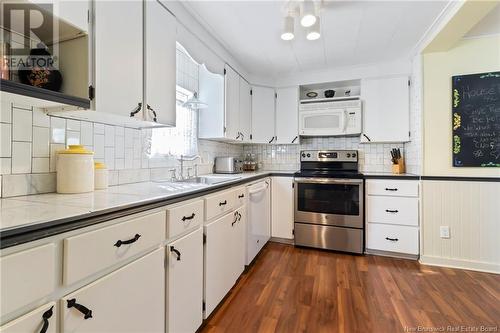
<point>292,289</point>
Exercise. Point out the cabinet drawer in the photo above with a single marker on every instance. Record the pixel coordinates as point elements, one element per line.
<point>33,321</point>
<point>241,196</point>
<point>130,299</point>
<point>219,203</point>
<point>184,217</point>
<point>393,210</point>
<point>392,238</point>
<point>26,276</point>
<point>399,188</point>
<point>93,251</point>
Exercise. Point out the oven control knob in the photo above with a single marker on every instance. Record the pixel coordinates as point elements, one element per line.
<point>303,155</point>
<point>349,155</point>
<point>353,154</point>
<point>308,155</point>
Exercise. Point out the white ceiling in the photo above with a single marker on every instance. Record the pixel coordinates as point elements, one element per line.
<point>352,32</point>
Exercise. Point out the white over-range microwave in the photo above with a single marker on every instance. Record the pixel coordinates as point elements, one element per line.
<point>330,118</point>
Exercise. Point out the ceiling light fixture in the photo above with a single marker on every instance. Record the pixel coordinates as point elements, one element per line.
<point>288,28</point>
<point>307,13</point>
<point>314,32</point>
<point>194,103</point>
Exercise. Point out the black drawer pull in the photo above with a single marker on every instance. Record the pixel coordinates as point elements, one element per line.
<point>235,219</point>
<point>391,211</point>
<point>45,316</point>
<point>239,216</point>
<point>188,217</point>
<point>87,313</point>
<point>174,250</point>
<point>392,239</point>
<point>223,203</point>
<point>128,241</point>
<point>241,196</point>
<point>391,189</point>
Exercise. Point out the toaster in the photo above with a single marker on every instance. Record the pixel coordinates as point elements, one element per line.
<point>228,165</point>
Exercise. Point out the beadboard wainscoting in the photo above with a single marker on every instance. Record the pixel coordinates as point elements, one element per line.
<point>471,211</point>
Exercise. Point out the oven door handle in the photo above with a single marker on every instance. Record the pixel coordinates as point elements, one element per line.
<point>328,181</point>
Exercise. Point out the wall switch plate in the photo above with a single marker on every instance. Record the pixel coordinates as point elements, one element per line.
<point>444,231</point>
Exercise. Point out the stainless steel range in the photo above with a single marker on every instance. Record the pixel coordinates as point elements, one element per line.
<point>328,192</point>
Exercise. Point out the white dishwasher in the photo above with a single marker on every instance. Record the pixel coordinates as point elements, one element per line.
<point>259,217</point>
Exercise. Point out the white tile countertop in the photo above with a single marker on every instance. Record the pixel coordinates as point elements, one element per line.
<point>18,212</point>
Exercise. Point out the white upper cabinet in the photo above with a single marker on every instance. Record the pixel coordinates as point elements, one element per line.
<point>245,127</point>
<point>211,119</point>
<point>232,103</point>
<point>287,117</point>
<point>386,109</point>
<point>160,53</point>
<point>118,57</point>
<point>263,119</point>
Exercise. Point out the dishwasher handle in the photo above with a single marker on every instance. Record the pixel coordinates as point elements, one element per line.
<point>258,190</point>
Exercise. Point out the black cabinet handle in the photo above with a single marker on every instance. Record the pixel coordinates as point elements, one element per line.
<point>296,137</point>
<point>392,239</point>
<point>174,250</point>
<point>152,111</point>
<point>238,136</point>
<point>128,241</point>
<point>235,219</point>
<point>241,196</point>
<point>45,317</point>
<point>366,136</point>
<point>272,139</point>
<point>223,203</point>
<point>239,216</point>
<point>136,110</point>
<point>391,189</point>
<point>391,211</point>
<point>87,313</point>
<point>184,218</point>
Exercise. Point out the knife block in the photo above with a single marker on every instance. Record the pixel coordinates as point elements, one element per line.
<point>399,168</point>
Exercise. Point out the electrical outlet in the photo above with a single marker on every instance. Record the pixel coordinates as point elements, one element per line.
<point>444,231</point>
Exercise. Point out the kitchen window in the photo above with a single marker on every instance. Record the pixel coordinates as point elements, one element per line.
<point>181,139</point>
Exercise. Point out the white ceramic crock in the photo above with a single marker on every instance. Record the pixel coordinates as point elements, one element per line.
<point>100,176</point>
<point>75,170</point>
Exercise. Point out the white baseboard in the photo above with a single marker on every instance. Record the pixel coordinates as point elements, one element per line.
<point>460,263</point>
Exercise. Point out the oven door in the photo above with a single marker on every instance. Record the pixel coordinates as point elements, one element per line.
<point>329,201</point>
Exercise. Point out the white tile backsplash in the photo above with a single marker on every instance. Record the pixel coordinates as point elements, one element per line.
<point>73,125</point>
<point>5,112</point>
<point>5,165</point>
<point>86,133</point>
<point>72,138</point>
<point>40,141</point>
<point>40,118</point>
<point>98,128</point>
<point>57,130</point>
<point>21,125</point>
<point>40,165</point>
<point>109,136</point>
<point>21,157</point>
<point>5,140</point>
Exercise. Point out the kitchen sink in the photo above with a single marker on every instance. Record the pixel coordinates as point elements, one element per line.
<point>209,180</point>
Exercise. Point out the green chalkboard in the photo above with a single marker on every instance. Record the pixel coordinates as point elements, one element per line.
<point>476,120</point>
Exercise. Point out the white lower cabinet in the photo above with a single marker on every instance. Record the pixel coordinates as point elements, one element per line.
<point>131,299</point>
<point>392,216</point>
<point>185,283</point>
<point>237,243</point>
<point>220,258</point>
<point>282,207</point>
<point>42,319</point>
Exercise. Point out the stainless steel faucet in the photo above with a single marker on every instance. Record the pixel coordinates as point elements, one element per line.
<point>186,158</point>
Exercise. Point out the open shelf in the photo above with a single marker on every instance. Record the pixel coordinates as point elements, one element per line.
<point>332,99</point>
<point>45,94</point>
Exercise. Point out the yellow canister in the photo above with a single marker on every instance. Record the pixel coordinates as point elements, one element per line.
<point>100,176</point>
<point>75,170</point>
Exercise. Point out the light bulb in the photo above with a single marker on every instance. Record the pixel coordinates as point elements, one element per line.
<point>307,14</point>
<point>288,28</point>
<point>313,33</point>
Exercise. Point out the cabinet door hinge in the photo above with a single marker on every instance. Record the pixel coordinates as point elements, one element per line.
<point>91,92</point>
<point>203,306</point>
<point>224,71</point>
<point>409,83</point>
<point>409,134</point>
<point>251,92</point>
<point>293,231</point>
<point>293,185</point>
<point>251,136</point>
<point>275,95</point>
<point>204,238</point>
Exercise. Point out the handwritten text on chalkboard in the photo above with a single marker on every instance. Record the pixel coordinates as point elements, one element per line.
<point>476,120</point>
